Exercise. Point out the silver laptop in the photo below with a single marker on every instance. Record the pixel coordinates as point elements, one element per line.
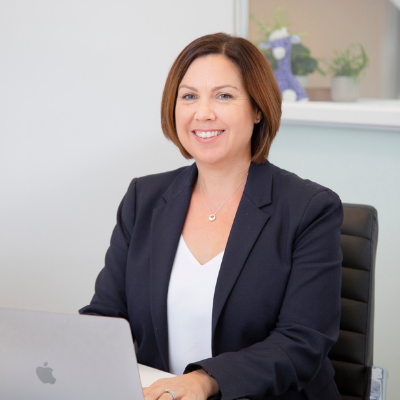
<point>51,356</point>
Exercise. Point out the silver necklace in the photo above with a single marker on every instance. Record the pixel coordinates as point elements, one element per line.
<point>212,215</point>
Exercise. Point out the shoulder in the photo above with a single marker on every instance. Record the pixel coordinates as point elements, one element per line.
<point>292,189</point>
<point>297,202</point>
<point>154,184</point>
<point>149,190</point>
<point>146,193</point>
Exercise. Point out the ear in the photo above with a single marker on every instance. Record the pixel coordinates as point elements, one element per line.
<point>295,39</point>
<point>258,117</point>
<point>265,45</point>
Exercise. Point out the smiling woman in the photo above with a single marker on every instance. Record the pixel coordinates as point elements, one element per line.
<point>229,270</point>
<point>254,82</point>
<point>215,122</point>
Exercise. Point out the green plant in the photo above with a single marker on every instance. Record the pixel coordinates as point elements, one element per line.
<point>302,62</point>
<point>350,62</point>
<point>279,20</point>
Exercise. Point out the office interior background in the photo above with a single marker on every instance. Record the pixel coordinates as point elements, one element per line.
<point>80,90</point>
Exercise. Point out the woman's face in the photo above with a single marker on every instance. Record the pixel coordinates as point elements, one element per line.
<point>214,116</point>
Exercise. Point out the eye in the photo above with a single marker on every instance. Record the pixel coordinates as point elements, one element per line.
<point>189,96</point>
<point>224,96</point>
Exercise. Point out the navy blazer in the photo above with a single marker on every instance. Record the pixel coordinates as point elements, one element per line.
<point>276,306</point>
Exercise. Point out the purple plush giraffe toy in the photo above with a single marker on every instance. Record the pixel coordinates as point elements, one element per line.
<point>280,42</point>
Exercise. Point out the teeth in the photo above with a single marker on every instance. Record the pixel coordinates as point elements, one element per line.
<point>207,134</point>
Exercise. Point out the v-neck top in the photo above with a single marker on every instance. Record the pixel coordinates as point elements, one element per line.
<point>190,302</point>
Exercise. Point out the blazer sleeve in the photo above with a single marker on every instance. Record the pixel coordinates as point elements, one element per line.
<point>308,323</point>
<point>110,296</point>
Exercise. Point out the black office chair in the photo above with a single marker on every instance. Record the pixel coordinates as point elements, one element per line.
<point>356,376</point>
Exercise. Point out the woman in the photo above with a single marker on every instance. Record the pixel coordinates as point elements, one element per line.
<point>228,270</point>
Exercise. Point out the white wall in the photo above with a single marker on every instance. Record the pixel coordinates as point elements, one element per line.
<point>80,90</point>
<point>362,166</point>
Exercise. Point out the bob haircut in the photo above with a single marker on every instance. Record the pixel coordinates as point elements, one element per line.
<point>258,79</point>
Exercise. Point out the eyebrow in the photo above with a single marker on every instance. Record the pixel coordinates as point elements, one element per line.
<point>213,89</point>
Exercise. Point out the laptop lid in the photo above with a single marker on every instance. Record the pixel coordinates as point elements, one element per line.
<point>51,356</point>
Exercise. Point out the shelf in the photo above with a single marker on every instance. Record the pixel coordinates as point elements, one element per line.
<point>365,113</point>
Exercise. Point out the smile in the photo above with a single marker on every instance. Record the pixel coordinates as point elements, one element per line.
<point>208,134</point>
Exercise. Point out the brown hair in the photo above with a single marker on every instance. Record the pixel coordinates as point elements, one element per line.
<point>258,80</point>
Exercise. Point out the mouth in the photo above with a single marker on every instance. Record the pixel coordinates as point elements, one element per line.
<point>207,134</point>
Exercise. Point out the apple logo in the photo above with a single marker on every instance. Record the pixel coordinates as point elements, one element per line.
<point>45,374</point>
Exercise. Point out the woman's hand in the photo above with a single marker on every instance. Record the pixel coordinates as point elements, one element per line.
<point>196,385</point>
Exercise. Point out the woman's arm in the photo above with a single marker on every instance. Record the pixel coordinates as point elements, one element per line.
<point>110,298</point>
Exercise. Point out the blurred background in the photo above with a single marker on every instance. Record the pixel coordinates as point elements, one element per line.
<point>326,26</point>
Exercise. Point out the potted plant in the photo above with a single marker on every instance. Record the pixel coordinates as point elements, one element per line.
<point>346,67</point>
<point>303,64</point>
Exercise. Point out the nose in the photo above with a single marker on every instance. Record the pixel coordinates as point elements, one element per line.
<point>204,111</point>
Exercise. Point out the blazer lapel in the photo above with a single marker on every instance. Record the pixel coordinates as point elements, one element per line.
<point>248,223</point>
<point>166,228</point>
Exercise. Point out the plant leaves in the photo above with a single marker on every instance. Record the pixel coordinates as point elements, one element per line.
<point>350,62</point>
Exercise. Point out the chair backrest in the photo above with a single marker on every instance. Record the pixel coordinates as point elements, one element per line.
<point>353,352</point>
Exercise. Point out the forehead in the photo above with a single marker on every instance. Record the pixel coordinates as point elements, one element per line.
<point>212,69</point>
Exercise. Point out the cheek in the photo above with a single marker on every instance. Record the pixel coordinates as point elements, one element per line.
<point>245,121</point>
<point>179,131</point>
<point>181,128</point>
<point>182,117</point>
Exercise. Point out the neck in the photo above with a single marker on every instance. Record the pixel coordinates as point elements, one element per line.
<point>219,181</point>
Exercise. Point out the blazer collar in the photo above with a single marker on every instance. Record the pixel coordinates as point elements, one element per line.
<point>166,228</point>
<point>186,179</point>
<point>258,186</point>
<point>167,225</point>
<point>249,221</point>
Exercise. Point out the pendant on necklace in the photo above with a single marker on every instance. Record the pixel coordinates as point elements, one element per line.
<point>211,217</point>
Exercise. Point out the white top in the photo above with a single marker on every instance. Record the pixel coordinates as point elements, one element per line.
<point>190,302</point>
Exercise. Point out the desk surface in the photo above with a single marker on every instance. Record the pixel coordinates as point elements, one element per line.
<point>149,375</point>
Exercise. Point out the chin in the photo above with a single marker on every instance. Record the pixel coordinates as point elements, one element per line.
<point>212,159</point>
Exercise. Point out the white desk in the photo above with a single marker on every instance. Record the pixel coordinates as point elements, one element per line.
<point>149,375</point>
